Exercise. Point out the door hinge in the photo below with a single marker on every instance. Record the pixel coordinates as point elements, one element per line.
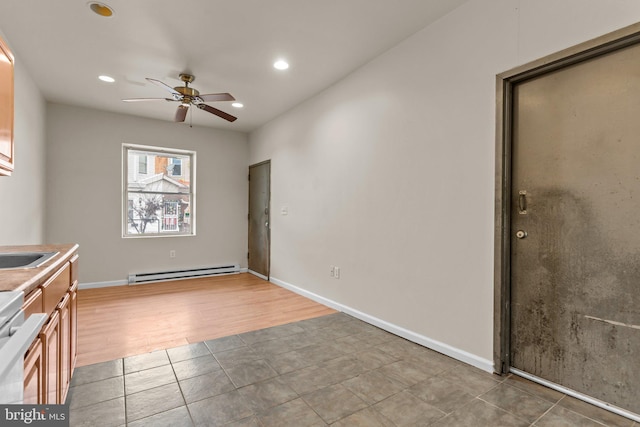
<point>248,216</point>
<point>249,177</point>
<point>247,255</point>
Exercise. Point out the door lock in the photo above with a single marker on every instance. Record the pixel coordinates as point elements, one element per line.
<point>521,234</point>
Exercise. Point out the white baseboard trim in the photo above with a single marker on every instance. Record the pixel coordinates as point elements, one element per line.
<point>262,276</point>
<point>456,353</point>
<point>94,285</point>
<point>244,270</point>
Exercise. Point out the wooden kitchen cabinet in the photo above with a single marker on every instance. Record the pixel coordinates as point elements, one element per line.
<point>51,359</point>
<point>33,303</point>
<point>34,359</point>
<point>6,110</point>
<point>73,291</point>
<point>64,363</point>
<point>50,336</point>
<point>73,313</point>
<point>55,288</point>
<point>34,374</point>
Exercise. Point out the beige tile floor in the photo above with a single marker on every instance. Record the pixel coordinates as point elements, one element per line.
<point>332,370</point>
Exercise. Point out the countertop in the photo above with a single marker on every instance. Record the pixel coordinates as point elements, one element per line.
<point>27,279</point>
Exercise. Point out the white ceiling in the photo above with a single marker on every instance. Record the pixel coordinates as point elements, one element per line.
<point>228,45</point>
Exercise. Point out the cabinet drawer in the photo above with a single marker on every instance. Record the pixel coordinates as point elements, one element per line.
<point>74,268</point>
<point>55,289</point>
<point>33,303</point>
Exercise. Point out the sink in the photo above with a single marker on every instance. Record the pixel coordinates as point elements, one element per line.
<point>14,260</point>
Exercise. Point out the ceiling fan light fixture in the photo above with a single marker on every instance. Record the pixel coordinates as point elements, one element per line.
<point>188,96</point>
<point>281,64</point>
<point>106,78</point>
<point>237,105</point>
<point>101,9</point>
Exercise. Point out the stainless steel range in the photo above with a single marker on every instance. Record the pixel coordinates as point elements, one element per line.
<point>16,335</point>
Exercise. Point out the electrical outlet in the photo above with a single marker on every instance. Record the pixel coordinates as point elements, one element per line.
<point>172,253</point>
<point>336,272</point>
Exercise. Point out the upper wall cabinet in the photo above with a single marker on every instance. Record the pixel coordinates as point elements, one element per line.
<point>6,110</point>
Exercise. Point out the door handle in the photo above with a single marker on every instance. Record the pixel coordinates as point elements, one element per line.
<point>521,234</point>
<point>522,202</point>
<point>266,224</point>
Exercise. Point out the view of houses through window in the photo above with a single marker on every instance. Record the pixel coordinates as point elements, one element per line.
<point>158,191</point>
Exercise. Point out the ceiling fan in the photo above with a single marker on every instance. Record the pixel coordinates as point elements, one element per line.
<point>188,96</point>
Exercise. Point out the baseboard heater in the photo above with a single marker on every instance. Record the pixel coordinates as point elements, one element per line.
<point>160,276</point>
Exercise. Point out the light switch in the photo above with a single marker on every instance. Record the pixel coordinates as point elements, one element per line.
<point>284,210</point>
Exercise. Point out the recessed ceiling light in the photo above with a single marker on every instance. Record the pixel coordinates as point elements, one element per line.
<point>107,79</point>
<point>281,64</point>
<point>237,104</point>
<point>101,9</point>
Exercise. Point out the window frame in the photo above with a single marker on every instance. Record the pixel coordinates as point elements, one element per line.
<point>124,188</point>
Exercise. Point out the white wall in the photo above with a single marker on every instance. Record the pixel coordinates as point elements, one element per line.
<point>389,174</point>
<point>22,194</point>
<point>84,190</point>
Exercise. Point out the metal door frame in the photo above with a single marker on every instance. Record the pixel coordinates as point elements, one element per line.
<point>268,229</point>
<point>505,82</point>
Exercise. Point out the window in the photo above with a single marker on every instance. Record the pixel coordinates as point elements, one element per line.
<point>142,164</point>
<point>159,198</point>
<point>175,166</point>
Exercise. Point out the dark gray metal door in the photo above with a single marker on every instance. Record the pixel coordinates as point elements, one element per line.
<point>259,235</point>
<point>575,227</point>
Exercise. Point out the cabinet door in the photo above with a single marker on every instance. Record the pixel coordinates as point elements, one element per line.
<point>64,351</point>
<point>6,110</point>
<point>34,375</point>
<point>50,337</point>
<point>73,317</point>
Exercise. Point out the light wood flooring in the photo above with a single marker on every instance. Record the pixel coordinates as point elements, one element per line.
<point>123,321</point>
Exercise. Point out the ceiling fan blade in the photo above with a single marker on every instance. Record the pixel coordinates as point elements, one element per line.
<point>165,87</point>
<point>217,112</point>
<point>213,97</point>
<point>181,113</point>
<point>147,99</point>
